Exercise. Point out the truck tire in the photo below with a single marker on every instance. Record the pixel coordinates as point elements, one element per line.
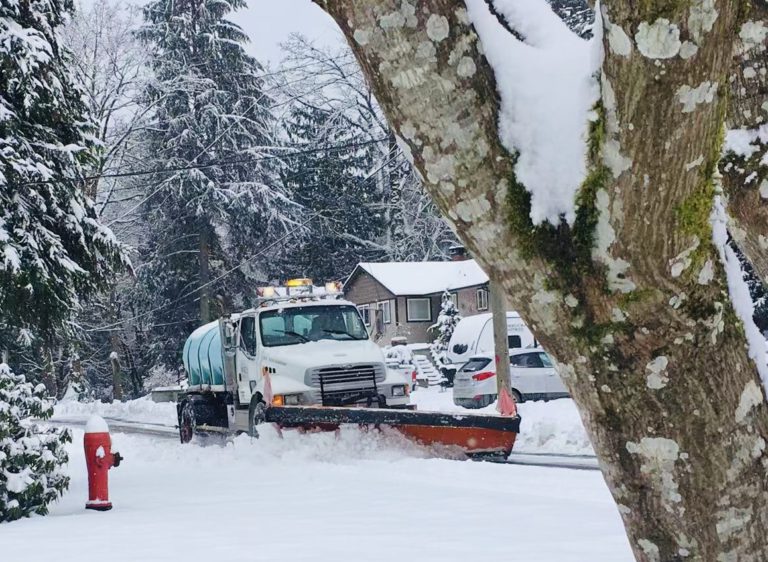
<point>256,415</point>
<point>187,422</point>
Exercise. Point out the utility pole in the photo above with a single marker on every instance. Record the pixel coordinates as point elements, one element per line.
<point>498,304</point>
<point>205,276</point>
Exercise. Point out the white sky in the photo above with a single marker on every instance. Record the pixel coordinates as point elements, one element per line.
<point>269,22</point>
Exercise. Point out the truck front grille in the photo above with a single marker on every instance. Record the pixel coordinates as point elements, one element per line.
<point>343,377</point>
<point>344,385</point>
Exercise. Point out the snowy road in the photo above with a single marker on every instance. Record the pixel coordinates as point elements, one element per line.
<point>317,497</point>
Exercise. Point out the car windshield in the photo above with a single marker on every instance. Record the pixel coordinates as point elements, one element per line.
<point>302,324</point>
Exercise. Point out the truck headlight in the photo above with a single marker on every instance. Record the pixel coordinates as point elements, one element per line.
<point>291,399</point>
<point>398,391</point>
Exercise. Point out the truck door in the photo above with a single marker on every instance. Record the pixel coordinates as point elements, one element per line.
<point>247,368</point>
<point>228,336</point>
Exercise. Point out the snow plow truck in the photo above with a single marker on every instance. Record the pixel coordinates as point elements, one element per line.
<point>302,358</point>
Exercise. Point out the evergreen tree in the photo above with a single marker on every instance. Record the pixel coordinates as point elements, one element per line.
<point>218,203</point>
<point>446,322</point>
<point>325,179</point>
<point>31,457</point>
<point>374,206</point>
<point>53,251</point>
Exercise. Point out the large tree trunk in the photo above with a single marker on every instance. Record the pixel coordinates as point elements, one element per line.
<point>631,300</point>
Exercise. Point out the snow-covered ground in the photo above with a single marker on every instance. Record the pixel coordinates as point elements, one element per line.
<point>363,497</point>
<point>546,427</point>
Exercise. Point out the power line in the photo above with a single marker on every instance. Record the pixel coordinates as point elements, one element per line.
<point>213,164</point>
<point>204,285</point>
<point>315,215</point>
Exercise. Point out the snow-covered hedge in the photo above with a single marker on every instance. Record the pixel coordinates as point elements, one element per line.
<point>31,457</point>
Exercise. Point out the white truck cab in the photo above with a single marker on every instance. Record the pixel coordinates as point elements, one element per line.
<point>313,352</point>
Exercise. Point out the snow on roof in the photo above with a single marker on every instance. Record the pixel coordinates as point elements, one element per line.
<point>426,277</point>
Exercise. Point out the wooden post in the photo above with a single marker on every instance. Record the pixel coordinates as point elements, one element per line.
<point>114,359</point>
<point>501,343</point>
<point>49,373</point>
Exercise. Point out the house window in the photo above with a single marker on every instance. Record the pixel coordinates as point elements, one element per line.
<point>383,307</point>
<point>482,299</point>
<point>365,312</point>
<point>419,310</point>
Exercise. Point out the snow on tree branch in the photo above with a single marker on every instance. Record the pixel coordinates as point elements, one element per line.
<point>548,88</point>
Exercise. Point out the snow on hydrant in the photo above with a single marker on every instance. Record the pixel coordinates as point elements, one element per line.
<point>99,458</point>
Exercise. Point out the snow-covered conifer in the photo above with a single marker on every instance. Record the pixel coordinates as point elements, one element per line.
<point>53,251</point>
<point>31,457</point>
<point>220,200</point>
<point>323,178</point>
<point>446,322</point>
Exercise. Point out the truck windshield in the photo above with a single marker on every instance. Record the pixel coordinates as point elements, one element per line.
<point>301,324</point>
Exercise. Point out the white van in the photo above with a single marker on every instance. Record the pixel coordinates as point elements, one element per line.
<point>473,336</point>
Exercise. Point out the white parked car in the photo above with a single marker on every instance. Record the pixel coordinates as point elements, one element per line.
<point>532,375</point>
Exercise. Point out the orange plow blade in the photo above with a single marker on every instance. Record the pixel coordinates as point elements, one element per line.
<point>474,434</point>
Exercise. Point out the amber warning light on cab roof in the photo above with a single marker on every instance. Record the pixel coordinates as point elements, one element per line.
<point>302,286</point>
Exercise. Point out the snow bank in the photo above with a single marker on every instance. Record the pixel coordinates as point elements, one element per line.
<point>140,410</point>
<point>548,87</point>
<point>545,427</point>
<point>552,427</point>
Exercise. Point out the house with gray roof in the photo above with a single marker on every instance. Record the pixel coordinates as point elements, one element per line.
<point>402,299</point>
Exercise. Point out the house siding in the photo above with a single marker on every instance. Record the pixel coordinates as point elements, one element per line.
<point>467,300</point>
<point>364,289</point>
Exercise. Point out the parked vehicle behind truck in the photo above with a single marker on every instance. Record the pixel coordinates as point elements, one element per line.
<point>300,349</point>
<point>532,375</point>
<point>473,335</point>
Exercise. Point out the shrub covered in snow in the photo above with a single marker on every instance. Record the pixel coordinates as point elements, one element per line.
<point>31,457</point>
<point>446,322</point>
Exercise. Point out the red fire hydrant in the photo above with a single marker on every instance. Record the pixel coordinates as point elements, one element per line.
<point>99,458</point>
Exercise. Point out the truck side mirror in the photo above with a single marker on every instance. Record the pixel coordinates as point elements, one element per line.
<point>228,334</point>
